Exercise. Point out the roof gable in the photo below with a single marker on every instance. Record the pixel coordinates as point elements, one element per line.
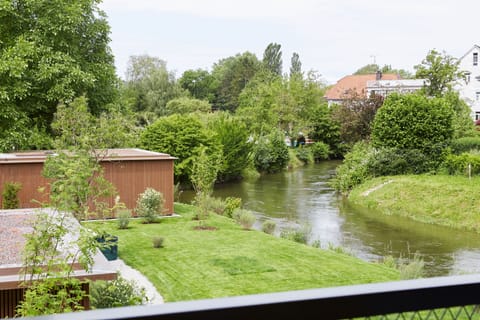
<point>356,84</point>
<point>469,51</point>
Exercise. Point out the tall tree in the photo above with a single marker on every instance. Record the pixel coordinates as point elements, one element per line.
<point>150,84</point>
<point>295,66</point>
<point>441,70</point>
<point>231,76</point>
<point>272,58</point>
<point>200,83</point>
<point>51,52</point>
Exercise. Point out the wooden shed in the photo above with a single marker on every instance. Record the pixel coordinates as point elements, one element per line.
<point>131,171</point>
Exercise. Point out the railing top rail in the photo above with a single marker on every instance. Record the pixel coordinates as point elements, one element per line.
<point>326,303</point>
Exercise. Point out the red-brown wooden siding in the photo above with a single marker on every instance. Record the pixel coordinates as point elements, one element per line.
<point>130,178</point>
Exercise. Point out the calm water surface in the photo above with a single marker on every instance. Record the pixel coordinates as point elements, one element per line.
<point>303,197</point>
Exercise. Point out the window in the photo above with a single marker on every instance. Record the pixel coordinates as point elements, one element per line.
<point>475,58</point>
<point>477,95</point>
<point>477,115</point>
<point>467,77</point>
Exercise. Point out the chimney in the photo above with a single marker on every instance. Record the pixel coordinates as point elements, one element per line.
<point>378,76</point>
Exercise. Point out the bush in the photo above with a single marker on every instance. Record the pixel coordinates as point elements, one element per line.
<point>232,203</point>
<point>269,226</point>
<point>245,218</point>
<point>413,121</point>
<point>465,144</point>
<point>304,154</point>
<point>150,204</point>
<point>391,161</point>
<point>123,218</point>
<point>116,293</point>
<point>464,164</point>
<point>10,195</point>
<point>354,169</point>
<point>413,269</point>
<point>320,151</point>
<point>271,153</point>
<point>300,235</point>
<point>216,205</point>
<point>157,242</point>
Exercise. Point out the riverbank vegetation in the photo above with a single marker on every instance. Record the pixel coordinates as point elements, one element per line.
<point>227,260</point>
<point>436,199</point>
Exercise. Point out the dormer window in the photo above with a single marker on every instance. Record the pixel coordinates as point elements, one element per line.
<point>475,58</point>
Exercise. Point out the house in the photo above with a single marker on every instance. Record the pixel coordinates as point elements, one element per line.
<point>131,171</point>
<point>385,87</point>
<point>14,224</point>
<point>355,84</point>
<point>470,88</point>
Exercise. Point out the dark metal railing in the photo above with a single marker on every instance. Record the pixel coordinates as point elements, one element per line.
<point>328,303</point>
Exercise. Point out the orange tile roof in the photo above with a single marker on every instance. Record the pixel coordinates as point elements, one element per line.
<point>355,83</point>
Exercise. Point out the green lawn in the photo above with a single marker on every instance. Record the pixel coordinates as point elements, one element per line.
<point>444,200</point>
<point>230,261</point>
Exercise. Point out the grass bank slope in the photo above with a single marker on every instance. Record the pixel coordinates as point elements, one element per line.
<point>230,261</point>
<point>444,200</point>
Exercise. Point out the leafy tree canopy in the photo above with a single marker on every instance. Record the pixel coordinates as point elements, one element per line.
<point>200,83</point>
<point>373,68</point>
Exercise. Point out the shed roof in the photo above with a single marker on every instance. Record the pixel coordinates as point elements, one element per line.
<point>110,155</point>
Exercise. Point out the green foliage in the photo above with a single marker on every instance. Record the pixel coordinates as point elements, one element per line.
<point>465,144</point>
<point>10,195</point>
<point>300,235</point>
<point>244,217</point>
<point>295,66</point>
<point>185,105</point>
<point>412,269</point>
<point>373,68</point>
<point>272,59</point>
<point>232,203</point>
<point>441,70</point>
<point>116,293</point>
<point>391,161</point>
<point>150,205</point>
<point>268,226</point>
<point>199,83</point>
<point>48,274</point>
<point>320,151</point>
<point>231,75</point>
<point>232,135</point>
<point>466,164</point>
<point>158,242</point>
<point>353,171</point>
<point>47,58</point>
<point>271,153</point>
<point>304,154</point>
<point>76,182</point>
<point>413,121</point>
<point>216,205</point>
<point>182,136</point>
<point>326,129</point>
<point>149,85</point>
<point>123,218</point>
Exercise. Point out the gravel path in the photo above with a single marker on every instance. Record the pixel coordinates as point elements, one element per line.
<point>132,274</point>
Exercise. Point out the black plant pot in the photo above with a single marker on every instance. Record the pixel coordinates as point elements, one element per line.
<point>108,246</point>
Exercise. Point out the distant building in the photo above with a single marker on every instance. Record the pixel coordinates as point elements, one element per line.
<point>355,84</point>
<point>470,88</point>
<point>385,87</point>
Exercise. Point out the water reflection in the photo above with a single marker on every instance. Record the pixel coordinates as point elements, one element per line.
<point>303,196</point>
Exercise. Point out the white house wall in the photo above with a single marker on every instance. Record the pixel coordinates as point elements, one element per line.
<point>470,89</point>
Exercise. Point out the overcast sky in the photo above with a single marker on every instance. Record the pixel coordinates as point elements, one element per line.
<point>334,37</point>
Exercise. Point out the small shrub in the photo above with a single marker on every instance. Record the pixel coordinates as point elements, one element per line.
<point>413,269</point>
<point>300,235</point>
<point>270,153</point>
<point>245,218</point>
<point>465,144</point>
<point>157,242</point>
<point>10,195</point>
<point>320,151</point>
<point>304,154</point>
<point>269,226</point>
<point>116,293</point>
<point>216,205</point>
<point>123,218</point>
<point>231,203</point>
<point>464,164</point>
<point>150,205</point>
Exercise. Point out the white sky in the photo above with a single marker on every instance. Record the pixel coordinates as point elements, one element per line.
<point>334,37</point>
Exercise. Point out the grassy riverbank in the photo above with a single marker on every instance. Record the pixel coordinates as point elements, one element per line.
<point>444,200</point>
<point>230,261</point>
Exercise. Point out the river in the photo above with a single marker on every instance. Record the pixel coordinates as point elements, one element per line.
<point>302,197</point>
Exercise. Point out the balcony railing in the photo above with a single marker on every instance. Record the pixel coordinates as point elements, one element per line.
<point>453,297</point>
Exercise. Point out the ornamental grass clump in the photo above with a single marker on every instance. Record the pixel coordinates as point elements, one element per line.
<point>123,218</point>
<point>245,218</point>
<point>157,242</point>
<point>269,226</point>
<point>150,205</point>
